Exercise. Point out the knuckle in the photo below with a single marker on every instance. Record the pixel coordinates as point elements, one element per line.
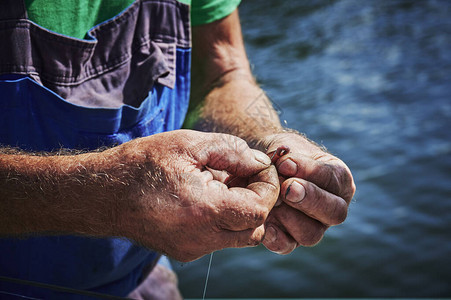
<point>312,237</point>
<point>260,215</point>
<point>340,213</point>
<point>273,188</point>
<point>315,198</point>
<point>237,144</point>
<point>345,182</point>
<point>325,176</point>
<point>338,180</point>
<point>241,144</point>
<point>314,194</point>
<point>334,179</point>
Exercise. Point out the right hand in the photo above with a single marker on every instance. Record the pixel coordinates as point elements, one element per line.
<point>181,204</point>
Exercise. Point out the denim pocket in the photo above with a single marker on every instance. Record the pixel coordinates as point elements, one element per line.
<point>35,118</point>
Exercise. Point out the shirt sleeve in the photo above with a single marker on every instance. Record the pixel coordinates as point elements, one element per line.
<point>207,11</point>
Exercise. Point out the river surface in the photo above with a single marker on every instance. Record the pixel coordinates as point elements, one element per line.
<point>371,80</point>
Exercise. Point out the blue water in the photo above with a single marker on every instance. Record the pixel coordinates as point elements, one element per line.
<point>371,80</point>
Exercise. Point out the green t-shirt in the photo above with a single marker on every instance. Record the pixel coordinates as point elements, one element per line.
<point>59,16</point>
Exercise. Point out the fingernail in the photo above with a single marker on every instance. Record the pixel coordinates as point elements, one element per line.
<point>295,192</point>
<point>288,168</point>
<point>262,157</point>
<point>270,234</point>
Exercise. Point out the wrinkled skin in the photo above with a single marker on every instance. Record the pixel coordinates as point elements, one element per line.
<point>192,212</point>
<point>315,191</point>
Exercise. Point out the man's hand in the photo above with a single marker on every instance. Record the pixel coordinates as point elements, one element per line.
<point>227,99</point>
<point>183,193</point>
<point>182,206</point>
<point>316,189</point>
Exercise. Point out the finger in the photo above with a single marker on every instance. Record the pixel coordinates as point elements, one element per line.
<point>278,241</point>
<point>219,175</point>
<point>334,177</point>
<point>228,179</point>
<point>279,152</point>
<point>232,154</point>
<point>245,208</point>
<point>244,238</point>
<point>234,181</point>
<point>219,239</point>
<point>317,203</point>
<point>266,185</point>
<point>303,229</point>
<point>280,199</point>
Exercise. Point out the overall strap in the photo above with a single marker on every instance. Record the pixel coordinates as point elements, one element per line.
<point>12,10</point>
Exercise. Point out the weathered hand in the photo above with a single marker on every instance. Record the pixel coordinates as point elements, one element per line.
<point>316,189</point>
<point>181,205</point>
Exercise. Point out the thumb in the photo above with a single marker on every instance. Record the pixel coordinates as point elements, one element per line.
<point>232,154</point>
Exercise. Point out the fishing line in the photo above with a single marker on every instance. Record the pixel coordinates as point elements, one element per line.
<point>275,152</point>
<point>208,274</point>
<point>280,151</point>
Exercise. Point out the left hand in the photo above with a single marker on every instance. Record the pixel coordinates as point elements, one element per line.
<point>316,189</point>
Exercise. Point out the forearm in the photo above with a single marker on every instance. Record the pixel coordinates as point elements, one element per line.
<point>223,88</point>
<point>69,194</point>
<point>238,106</point>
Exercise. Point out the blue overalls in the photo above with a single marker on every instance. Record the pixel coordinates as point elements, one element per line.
<point>128,79</point>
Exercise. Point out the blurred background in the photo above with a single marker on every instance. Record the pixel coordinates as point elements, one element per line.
<point>371,80</point>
